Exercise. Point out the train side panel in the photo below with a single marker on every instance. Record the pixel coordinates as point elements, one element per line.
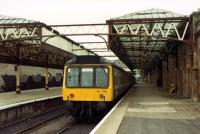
<point>122,81</point>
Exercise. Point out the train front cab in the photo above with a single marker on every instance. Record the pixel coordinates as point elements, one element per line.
<point>82,90</point>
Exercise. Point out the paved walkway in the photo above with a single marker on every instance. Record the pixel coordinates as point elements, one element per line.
<point>11,99</point>
<point>149,110</point>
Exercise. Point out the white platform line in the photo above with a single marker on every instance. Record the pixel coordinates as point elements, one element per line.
<point>27,102</point>
<point>107,115</point>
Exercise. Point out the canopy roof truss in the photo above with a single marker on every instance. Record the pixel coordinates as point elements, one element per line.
<point>93,37</point>
<point>145,37</point>
<point>139,39</point>
<point>22,44</point>
<point>28,42</point>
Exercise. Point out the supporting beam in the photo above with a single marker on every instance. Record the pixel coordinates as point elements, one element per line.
<point>46,79</point>
<point>18,73</point>
<point>94,42</point>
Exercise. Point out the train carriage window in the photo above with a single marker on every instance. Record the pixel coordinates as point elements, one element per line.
<point>86,77</point>
<point>72,77</point>
<point>101,77</point>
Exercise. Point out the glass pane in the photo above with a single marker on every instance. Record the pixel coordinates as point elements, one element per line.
<point>101,77</point>
<point>87,77</point>
<point>72,77</point>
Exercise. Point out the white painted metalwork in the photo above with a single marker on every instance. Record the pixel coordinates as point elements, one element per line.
<point>14,32</point>
<point>17,33</point>
<point>148,32</point>
<point>171,28</point>
<point>81,29</point>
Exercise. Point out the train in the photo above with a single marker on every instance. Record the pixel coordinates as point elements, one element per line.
<point>91,83</point>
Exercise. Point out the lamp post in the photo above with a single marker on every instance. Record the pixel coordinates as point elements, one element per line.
<point>103,39</point>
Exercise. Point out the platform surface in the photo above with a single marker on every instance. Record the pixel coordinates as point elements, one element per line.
<point>150,110</point>
<point>11,99</point>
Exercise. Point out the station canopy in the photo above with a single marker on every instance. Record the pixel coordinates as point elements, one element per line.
<point>34,43</point>
<point>13,20</point>
<point>141,39</point>
<point>138,40</point>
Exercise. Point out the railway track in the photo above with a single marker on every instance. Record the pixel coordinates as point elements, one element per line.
<point>77,128</point>
<point>65,128</point>
<point>30,123</point>
<point>38,121</point>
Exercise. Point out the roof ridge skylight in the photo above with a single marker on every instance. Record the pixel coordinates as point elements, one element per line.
<point>150,13</point>
<point>4,19</point>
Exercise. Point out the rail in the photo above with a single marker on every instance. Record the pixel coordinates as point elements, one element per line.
<point>34,121</point>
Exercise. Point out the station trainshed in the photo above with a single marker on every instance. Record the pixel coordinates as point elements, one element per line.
<point>24,42</point>
<point>164,45</point>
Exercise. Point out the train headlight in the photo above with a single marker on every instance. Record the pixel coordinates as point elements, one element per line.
<point>101,96</point>
<point>71,95</point>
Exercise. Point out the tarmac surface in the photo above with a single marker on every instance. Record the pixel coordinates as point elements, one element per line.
<point>11,99</point>
<point>148,109</point>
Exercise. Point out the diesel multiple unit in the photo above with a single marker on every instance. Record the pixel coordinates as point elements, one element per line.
<point>91,82</point>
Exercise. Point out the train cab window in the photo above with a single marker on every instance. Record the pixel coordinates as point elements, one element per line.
<point>101,77</point>
<point>72,77</point>
<point>86,77</point>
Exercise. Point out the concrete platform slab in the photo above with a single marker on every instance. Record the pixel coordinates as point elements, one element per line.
<point>11,99</point>
<point>150,110</point>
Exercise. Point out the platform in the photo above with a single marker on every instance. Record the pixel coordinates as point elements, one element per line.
<point>11,99</point>
<point>149,110</point>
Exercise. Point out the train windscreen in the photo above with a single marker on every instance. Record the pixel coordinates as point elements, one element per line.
<point>87,77</point>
